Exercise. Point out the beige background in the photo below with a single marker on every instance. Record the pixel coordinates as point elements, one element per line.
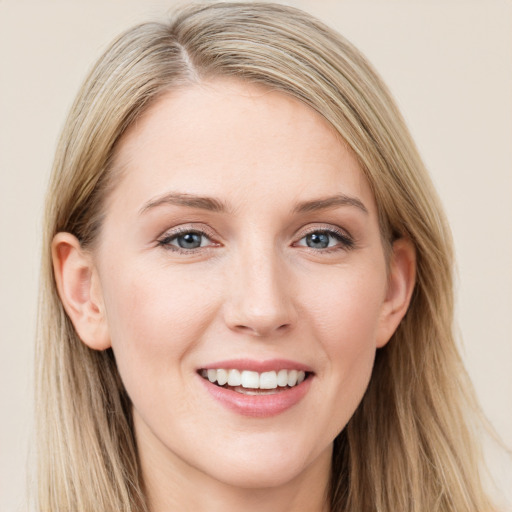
<point>448,63</point>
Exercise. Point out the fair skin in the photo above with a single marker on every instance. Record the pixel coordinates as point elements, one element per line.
<point>281,266</point>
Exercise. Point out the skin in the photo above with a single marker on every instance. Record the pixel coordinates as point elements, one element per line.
<point>254,289</point>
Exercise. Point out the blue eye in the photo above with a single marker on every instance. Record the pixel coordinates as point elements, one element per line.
<point>186,240</point>
<point>325,239</point>
<point>189,240</point>
<point>318,240</point>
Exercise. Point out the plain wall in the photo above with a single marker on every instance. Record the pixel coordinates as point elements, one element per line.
<point>449,65</point>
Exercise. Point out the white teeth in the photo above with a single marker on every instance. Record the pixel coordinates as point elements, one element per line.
<point>253,380</point>
<point>292,377</point>
<point>222,377</point>
<point>282,378</point>
<point>250,379</point>
<point>234,378</point>
<point>268,380</point>
<point>254,392</point>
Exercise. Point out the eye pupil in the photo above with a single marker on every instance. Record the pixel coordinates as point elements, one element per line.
<point>317,240</point>
<point>189,240</point>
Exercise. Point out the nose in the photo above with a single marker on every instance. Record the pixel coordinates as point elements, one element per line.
<point>260,295</point>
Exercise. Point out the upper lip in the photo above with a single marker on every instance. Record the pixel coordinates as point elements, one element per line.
<point>267,365</point>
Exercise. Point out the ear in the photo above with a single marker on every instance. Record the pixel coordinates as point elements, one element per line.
<point>401,281</point>
<point>80,291</point>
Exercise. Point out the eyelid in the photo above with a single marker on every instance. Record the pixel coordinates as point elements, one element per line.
<point>346,241</point>
<point>173,233</point>
<point>345,238</point>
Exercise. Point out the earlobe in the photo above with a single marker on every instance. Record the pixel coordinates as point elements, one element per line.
<point>80,291</point>
<point>401,281</point>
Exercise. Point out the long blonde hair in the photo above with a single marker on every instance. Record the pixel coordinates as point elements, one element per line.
<point>409,446</point>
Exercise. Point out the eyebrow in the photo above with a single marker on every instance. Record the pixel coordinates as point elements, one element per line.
<point>329,202</point>
<point>214,205</point>
<point>190,200</point>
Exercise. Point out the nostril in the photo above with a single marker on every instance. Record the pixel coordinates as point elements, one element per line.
<point>262,330</point>
<point>243,328</point>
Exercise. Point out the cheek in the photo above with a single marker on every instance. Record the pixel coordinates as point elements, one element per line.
<point>346,320</point>
<point>155,318</point>
<point>347,309</point>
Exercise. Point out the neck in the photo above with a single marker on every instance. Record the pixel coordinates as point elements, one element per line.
<point>203,496</point>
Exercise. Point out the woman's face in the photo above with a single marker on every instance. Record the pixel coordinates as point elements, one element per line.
<point>242,235</point>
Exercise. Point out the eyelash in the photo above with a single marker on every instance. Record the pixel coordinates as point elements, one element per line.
<point>166,239</point>
<point>346,242</point>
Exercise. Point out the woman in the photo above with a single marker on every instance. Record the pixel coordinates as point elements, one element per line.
<point>247,284</point>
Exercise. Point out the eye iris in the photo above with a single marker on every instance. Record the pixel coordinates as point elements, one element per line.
<point>317,240</point>
<point>189,240</point>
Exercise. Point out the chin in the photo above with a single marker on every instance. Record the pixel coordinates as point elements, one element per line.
<point>258,476</point>
<point>268,467</point>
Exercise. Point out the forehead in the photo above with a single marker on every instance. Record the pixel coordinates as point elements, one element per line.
<point>236,140</point>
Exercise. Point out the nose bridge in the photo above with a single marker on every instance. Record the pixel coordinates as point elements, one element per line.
<point>260,301</point>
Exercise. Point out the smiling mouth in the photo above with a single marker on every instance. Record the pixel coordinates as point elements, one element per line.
<point>249,382</point>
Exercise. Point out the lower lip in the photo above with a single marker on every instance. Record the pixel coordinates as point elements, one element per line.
<point>260,406</point>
